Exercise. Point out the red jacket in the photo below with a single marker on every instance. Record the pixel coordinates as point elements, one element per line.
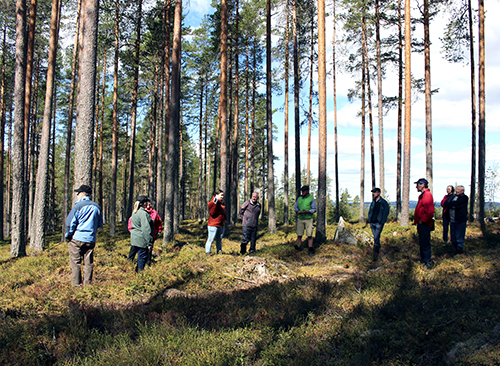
<point>217,213</point>
<point>425,208</point>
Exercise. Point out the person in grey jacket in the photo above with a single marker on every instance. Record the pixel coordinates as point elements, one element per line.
<point>249,213</point>
<point>81,231</point>
<point>377,217</point>
<point>141,233</point>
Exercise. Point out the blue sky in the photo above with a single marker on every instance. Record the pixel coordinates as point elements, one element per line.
<point>451,116</point>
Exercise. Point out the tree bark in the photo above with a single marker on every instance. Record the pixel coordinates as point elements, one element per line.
<point>322,188</point>
<point>380,102</point>
<point>133,112</point>
<point>40,205</point>
<point>173,143</point>
<point>84,130</point>
<point>428,108</point>
<point>472,202</point>
<point>18,216</point>
<point>114,135</point>
<point>270,154</point>
<point>296,100</point>
<point>363,96</point>
<point>405,218</point>
<point>224,154</point>
<point>2,132</point>
<point>334,74</point>
<point>286,188</point>
<point>482,121</point>
<point>400,115</point>
<point>235,149</point>
<point>69,129</point>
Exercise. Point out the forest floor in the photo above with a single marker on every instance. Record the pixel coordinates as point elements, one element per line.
<point>278,307</point>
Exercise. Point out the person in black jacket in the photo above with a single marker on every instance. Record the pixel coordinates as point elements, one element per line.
<point>457,206</point>
<point>249,213</point>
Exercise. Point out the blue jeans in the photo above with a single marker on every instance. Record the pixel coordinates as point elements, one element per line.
<point>457,234</point>
<point>424,240</point>
<point>216,233</point>
<point>376,230</point>
<point>142,258</point>
<point>446,223</point>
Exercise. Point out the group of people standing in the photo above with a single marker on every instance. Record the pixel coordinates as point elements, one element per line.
<point>454,205</point>
<point>145,225</point>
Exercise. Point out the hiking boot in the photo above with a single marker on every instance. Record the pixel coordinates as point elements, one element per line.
<point>251,252</point>
<point>219,252</point>
<point>375,256</point>
<point>297,248</point>
<point>311,251</point>
<point>243,249</point>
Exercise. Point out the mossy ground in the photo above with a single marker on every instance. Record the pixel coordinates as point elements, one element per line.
<point>280,307</point>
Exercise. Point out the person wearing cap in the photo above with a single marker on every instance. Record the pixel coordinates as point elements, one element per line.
<point>141,233</point>
<point>457,206</point>
<point>305,207</point>
<point>81,232</point>
<point>424,218</point>
<point>216,222</point>
<point>249,213</point>
<point>377,217</point>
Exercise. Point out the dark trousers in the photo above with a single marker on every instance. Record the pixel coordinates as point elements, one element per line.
<point>424,240</point>
<point>376,231</point>
<point>457,234</point>
<point>446,224</point>
<point>143,254</point>
<point>249,235</point>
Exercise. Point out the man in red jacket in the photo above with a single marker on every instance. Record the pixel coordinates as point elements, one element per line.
<point>424,218</point>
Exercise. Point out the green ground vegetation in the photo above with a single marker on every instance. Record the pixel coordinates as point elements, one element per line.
<point>279,307</point>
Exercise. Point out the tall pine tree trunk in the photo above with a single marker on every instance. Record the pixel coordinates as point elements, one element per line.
<point>18,216</point>
<point>363,116</point>
<point>482,121</point>
<point>405,219</point>
<point>472,202</point>
<point>380,102</point>
<point>322,188</point>
<point>2,132</point>
<point>296,100</point>
<point>399,158</point>
<point>337,189</point>
<point>270,154</point>
<point>174,123</point>
<point>235,149</point>
<point>69,129</point>
<point>428,108</point>
<point>40,208</point>
<point>224,153</point>
<point>286,188</point>
<point>133,112</point>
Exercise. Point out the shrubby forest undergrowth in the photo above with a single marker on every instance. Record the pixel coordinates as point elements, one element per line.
<point>280,307</point>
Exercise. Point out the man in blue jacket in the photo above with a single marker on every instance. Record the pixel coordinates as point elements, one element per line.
<point>81,231</point>
<point>377,216</point>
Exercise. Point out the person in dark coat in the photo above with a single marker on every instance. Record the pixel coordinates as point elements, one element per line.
<point>249,213</point>
<point>446,213</point>
<point>457,205</point>
<point>377,217</point>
